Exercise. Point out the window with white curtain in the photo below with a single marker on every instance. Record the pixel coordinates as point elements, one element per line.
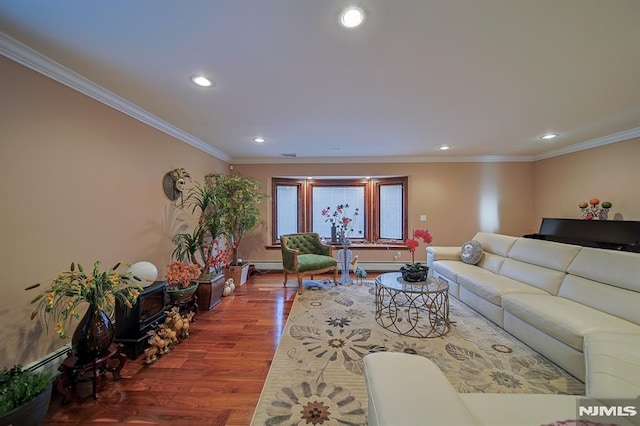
<point>381,204</point>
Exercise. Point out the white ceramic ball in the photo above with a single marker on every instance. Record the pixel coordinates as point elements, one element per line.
<point>146,271</point>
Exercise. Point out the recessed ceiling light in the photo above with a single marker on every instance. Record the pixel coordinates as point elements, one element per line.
<point>549,136</point>
<point>201,81</point>
<point>259,140</point>
<point>444,147</point>
<point>352,17</point>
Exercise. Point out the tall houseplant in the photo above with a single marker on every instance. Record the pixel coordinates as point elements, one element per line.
<point>238,197</point>
<point>203,246</point>
<point>237,200</point>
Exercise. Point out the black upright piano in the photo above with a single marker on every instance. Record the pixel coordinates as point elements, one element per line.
<point>606,234</point>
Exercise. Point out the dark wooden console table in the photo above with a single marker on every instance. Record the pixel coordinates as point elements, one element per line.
<point>75,370</point>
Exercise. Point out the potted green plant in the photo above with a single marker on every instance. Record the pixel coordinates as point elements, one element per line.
<point>203,246</point>
<point>24,396</point>
<point>237,199</point>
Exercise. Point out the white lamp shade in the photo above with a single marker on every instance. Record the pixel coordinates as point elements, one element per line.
<point>146,271</point>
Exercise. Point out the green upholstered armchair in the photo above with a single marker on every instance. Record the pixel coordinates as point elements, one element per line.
<point>304,254</point>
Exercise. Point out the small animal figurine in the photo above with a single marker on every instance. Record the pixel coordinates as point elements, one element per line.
<point>361,274</point>
<point>186,320</point>
<point>161,344</point>
<point>168,334</point>
<point>174,320</point>
<point>150,354</point>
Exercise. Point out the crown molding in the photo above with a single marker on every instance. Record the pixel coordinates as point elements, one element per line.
<point>382,160</point>
<point>36,61</point>
<point>593,143</point>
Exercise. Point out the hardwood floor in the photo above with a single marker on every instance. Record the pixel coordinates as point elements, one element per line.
<point>214,377</point>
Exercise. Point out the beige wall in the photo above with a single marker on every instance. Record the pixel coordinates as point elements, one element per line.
<point>79,181</point>
<point>458,198</point>
<point>609,173</point>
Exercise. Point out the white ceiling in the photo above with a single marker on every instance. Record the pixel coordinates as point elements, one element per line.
<point>487,77</point>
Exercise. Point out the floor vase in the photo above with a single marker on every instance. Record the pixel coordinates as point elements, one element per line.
<point>94,334</point>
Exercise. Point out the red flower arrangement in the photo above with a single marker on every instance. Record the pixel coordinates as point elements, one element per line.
<point>413,243</point>
<point>180,275</point>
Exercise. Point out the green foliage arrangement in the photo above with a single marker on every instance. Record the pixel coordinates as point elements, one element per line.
<point>18,386</point>
<point>237,199</point>
<point>73,287</point>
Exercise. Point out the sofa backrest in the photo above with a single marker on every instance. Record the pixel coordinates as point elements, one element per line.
<point>495,243</point>
<point>539,263</point>
<point>606,280</point>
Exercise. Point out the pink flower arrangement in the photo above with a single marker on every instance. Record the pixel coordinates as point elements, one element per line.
<point>339,217</point>
<point>180,275</point>
<point>413,243</point>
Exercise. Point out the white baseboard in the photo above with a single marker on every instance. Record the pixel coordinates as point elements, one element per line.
<point>273,265</point>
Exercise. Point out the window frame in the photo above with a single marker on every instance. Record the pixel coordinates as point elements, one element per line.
<point>370,215</point>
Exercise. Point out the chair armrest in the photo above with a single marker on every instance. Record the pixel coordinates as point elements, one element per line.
<point>328,248</point>
<point>290,257</point>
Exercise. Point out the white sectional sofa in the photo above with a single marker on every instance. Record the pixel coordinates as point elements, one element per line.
<point>411,390</point>
<point>549,295</point>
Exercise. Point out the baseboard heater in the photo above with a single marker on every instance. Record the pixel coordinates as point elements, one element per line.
<point>50,362</point>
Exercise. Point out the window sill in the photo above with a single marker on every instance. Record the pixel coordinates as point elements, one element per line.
<point>359,246</point>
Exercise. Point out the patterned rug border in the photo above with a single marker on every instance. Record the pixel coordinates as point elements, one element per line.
<point>316,376</point>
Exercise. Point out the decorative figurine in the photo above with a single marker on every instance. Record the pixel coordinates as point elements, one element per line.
<point>150,354</point>
<point>594,210</point>
<point>229,286</point>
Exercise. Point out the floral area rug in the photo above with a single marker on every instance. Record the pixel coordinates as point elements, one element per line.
<point>316,376</point>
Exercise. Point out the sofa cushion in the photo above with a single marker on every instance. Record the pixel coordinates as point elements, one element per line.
<point>495,243</point>
<point>493,287</point>
<point>314,262</point>
<point>543,278</point>
<point>491,262</point>
<point>544,253</point>
<point>471,252</point>
<point>451,268</point>
<point>563,319</point>
<point>518,409</point>
<point>613,365</point>
<point>410,390</point>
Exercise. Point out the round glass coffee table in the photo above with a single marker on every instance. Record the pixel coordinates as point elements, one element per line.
<point>412,309</point>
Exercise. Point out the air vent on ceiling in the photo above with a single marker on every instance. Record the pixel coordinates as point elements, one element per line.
<point>288,154</point>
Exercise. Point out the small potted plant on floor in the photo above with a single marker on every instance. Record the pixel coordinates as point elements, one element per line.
<point>237,199</point>
<point>24,396</point>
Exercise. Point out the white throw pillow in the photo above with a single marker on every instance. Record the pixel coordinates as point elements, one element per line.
<point>471,252</point>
